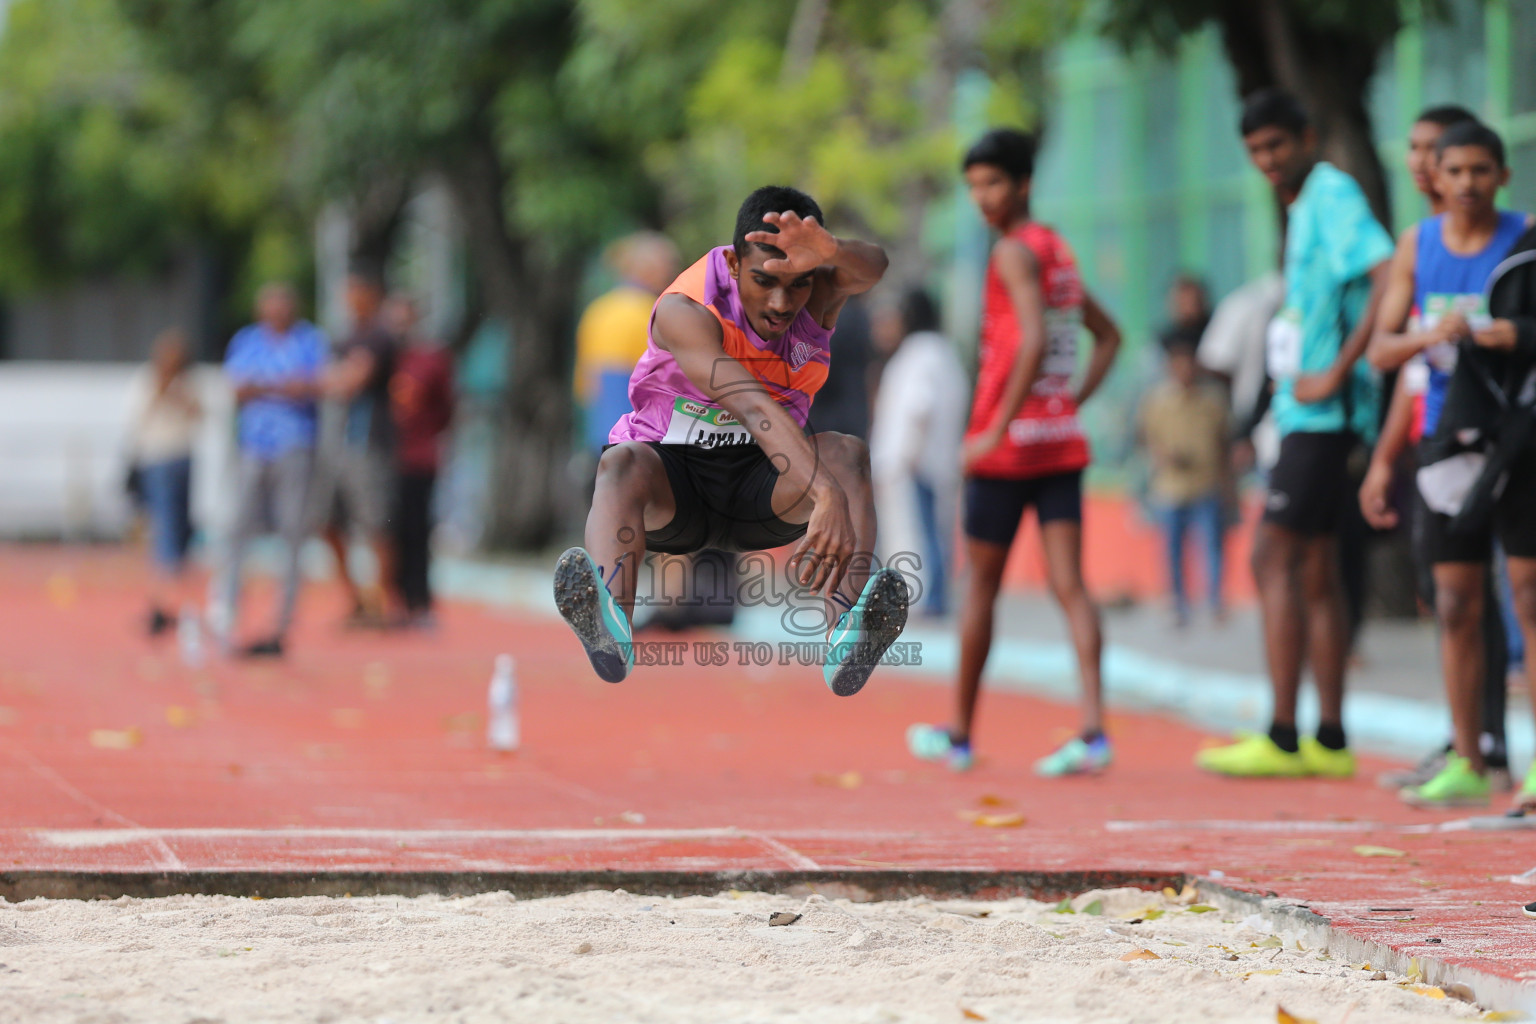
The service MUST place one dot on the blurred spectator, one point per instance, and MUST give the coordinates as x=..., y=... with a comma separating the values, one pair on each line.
x=421, y=396
x=1189, y=312
x=1184, y=426
x=357, y=451
x=612, y=333
x=1232, y=349
x=842, y=404
x=914, y=444
x=275, y=367
x=166, y=413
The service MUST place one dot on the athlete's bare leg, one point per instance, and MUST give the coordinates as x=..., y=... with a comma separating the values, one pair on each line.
x=1459, y=608
x=847, y=459
x=986, y=562
x=1062, y=540
x=632, y=495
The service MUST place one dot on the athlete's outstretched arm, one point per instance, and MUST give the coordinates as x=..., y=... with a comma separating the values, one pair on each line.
x=1319, y=387
x=1020, y=273
x=1106, y=344
x=692, y=335
x=844, y=267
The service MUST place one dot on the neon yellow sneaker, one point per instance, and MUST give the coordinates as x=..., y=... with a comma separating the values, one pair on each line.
x=1457, y=785
x=1254, y=755
x=1525, y=800
x=1330, y=764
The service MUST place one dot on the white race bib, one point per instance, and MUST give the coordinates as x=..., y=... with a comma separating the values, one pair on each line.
x=1283, y=345
x=704, y=425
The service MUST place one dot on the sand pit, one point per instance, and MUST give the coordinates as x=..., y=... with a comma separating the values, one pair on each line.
x=613, y=956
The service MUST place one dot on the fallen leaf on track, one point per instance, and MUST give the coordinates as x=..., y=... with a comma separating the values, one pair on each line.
x=992, y=800
x=1432, y=991
x=1201, y=908
x=178, y=717
x=847, y=780
x=116, y=739
x=1378, y=851
x=970, y=1014
x=1011, y=820
x=1140, y=954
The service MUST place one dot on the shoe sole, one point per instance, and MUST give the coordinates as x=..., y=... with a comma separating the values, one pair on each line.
x=884, y=617
x=1414, y=800
x=577, y=599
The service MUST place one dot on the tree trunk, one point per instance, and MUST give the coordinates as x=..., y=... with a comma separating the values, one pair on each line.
x=1269, y=45
x=534, y=302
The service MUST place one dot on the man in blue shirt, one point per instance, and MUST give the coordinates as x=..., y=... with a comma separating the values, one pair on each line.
x=1325, y=404
x=275, y=368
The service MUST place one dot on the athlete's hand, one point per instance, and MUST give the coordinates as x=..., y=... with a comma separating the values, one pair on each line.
x=805, y=243
x=1316, y=387
x=977, y=448
x=820, y=560
x=1375, y=505
x=1449, y=329
x=1499, y=335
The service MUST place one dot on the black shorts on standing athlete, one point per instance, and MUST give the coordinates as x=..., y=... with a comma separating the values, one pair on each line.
x=1309, y=485
x=995, y=507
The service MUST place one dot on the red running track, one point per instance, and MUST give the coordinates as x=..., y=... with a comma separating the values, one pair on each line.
x=366, y=752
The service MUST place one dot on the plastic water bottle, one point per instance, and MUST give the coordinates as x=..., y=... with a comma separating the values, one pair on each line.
x=189, y=637
x=503, y=733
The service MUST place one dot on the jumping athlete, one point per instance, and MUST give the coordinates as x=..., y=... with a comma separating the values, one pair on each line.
x=1025, y=446
x=716, y=452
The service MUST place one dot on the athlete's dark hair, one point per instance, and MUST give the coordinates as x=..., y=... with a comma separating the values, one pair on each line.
x=1007, y=148
x=1445, y=115
x=1272, y=108
x=766, y=200
x=1471, y=133
x=918, y=311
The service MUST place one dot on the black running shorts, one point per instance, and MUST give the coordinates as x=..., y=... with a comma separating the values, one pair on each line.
x=995, y=507
x=1309, y=484
x=724, y=499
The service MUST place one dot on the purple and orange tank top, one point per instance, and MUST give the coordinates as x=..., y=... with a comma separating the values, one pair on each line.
x=669, y=409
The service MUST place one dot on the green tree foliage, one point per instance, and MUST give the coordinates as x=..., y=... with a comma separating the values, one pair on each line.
x=109, y=163
x=130, y=126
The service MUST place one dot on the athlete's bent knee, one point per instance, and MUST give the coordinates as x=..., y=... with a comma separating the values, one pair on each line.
x=622, y=465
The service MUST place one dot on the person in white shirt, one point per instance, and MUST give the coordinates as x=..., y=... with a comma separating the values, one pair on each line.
x=914, y=449
x=163, y=428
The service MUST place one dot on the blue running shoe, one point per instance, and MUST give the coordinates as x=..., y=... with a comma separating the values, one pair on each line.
x=586, y=604
x=1077, y=756
x=864, y=632
x=933, y=743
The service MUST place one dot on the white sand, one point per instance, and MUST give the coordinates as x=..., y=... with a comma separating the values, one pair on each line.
x=613, y=957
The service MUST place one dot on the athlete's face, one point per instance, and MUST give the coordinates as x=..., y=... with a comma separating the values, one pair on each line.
x=997, y=196
x=1421, y=156
x=1468, y=178
x=771, y=301
x=1281, y=155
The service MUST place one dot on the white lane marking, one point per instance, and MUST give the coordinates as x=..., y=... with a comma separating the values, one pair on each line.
x=88, y=837
x=793, y=857
x=163, y=856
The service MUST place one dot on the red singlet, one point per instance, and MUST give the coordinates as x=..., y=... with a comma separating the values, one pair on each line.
x=1045, y=437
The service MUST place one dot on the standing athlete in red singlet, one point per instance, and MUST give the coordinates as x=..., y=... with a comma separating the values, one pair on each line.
x=1025, y=445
